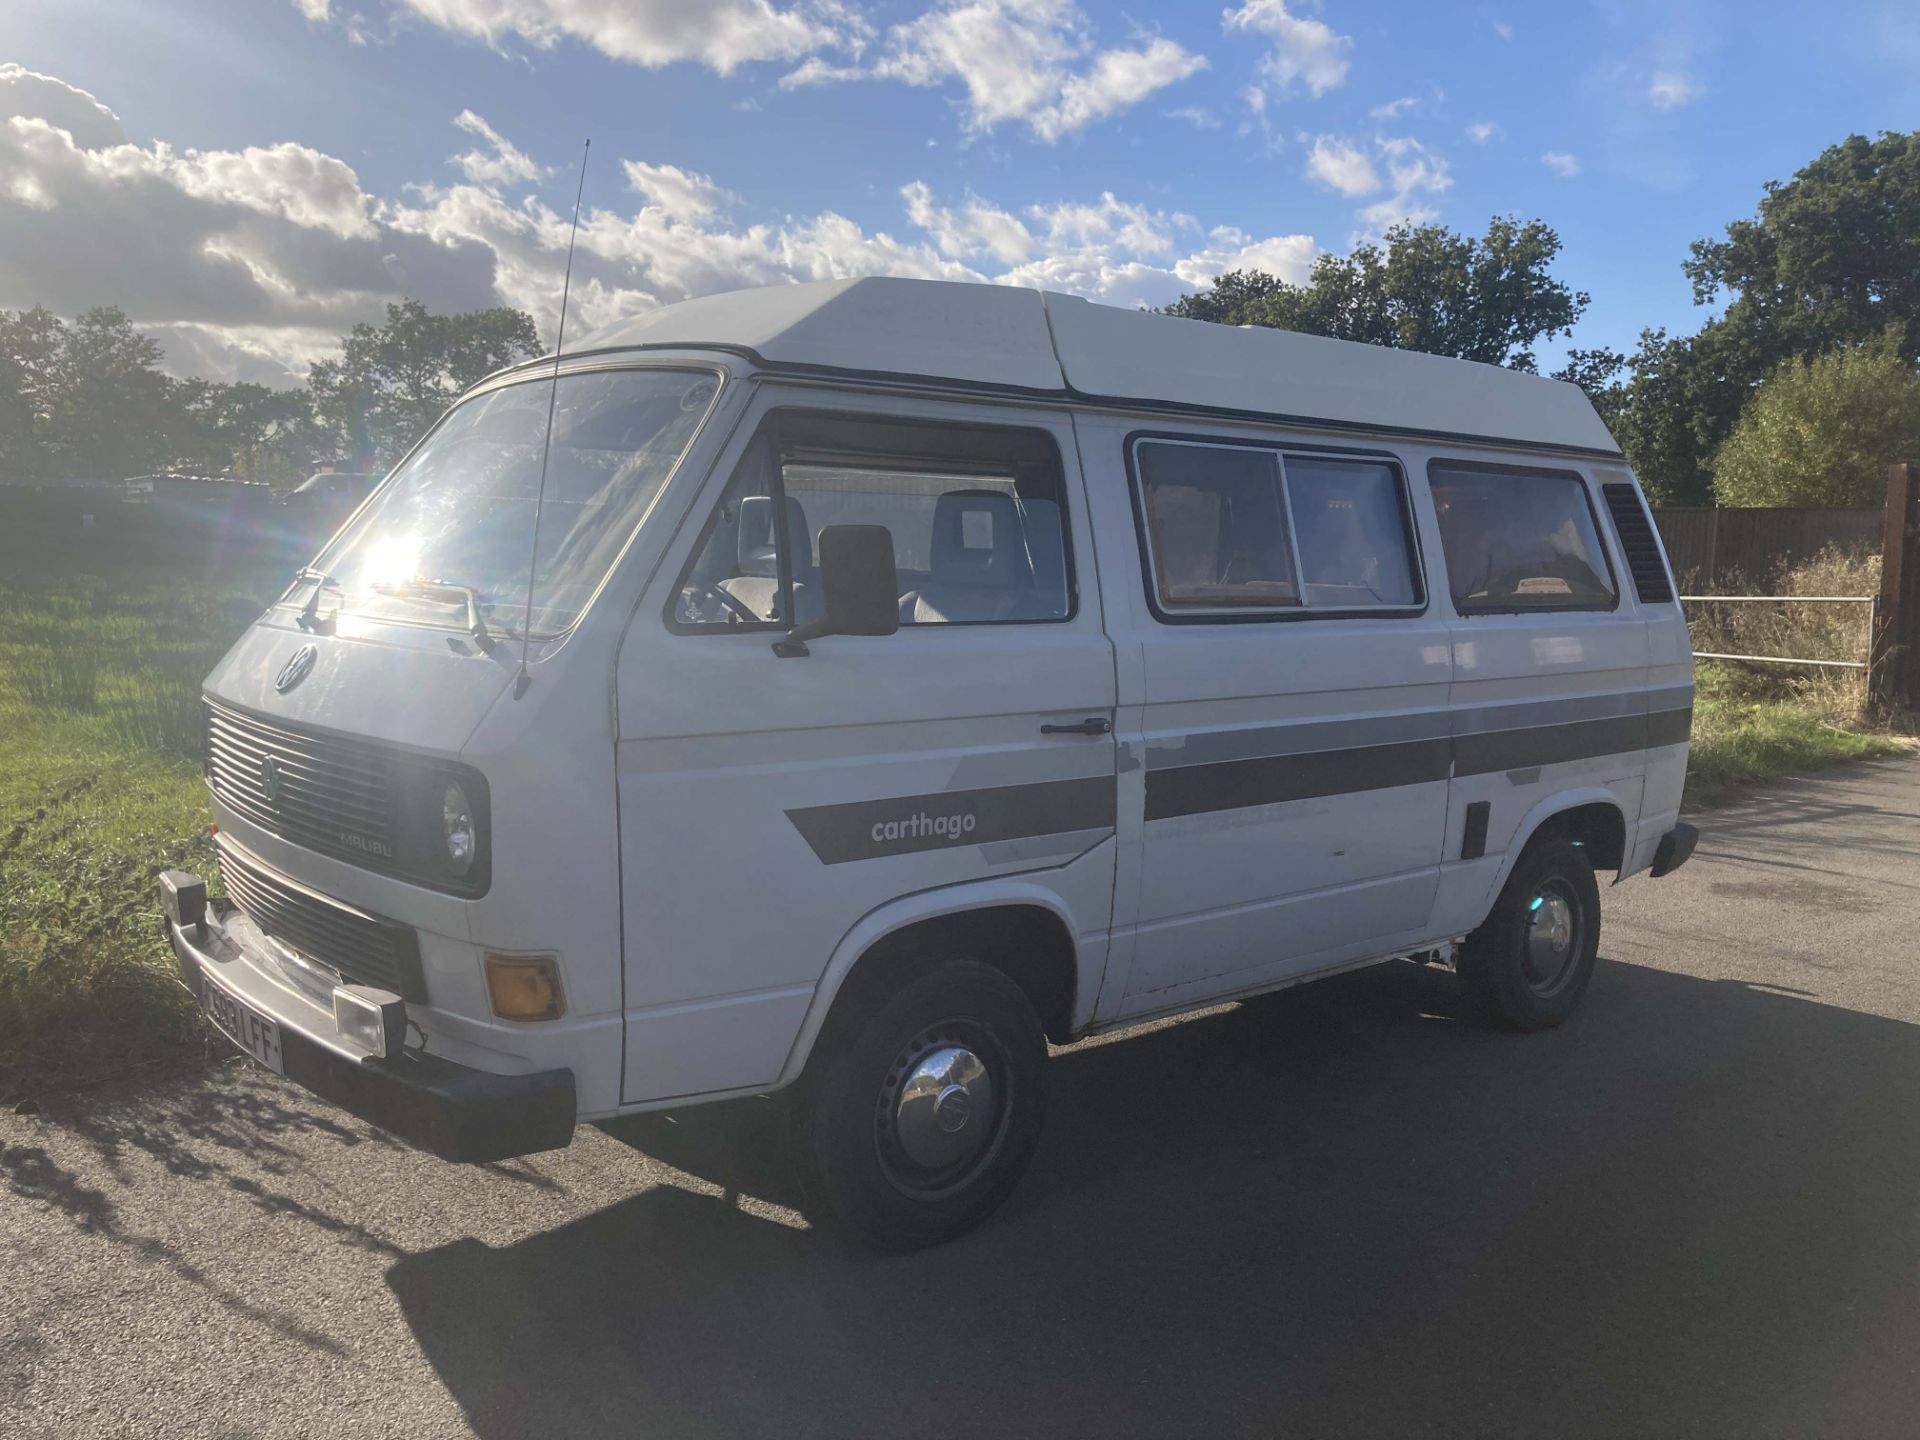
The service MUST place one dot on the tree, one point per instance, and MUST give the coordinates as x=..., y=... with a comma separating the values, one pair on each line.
x=108, y=400
x=31, y=350
x=250, y=430
x=1831, y=258
x=391, y=382
x=1431, y=289
x=1822, y=431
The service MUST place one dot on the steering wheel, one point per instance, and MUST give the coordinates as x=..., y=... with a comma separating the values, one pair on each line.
x=737, y=608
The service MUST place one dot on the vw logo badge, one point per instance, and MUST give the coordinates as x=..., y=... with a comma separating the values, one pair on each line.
x=296, y=668
x=270, y=779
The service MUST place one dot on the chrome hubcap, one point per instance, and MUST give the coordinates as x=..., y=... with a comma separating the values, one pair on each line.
x=944, y=1111
x=1553, y=938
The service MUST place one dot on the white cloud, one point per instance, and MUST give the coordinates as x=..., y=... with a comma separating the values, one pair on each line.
x=66, y=107
x=1481, y=131
x=816, y=71
x=1304, y=50
x=501, y=163
x=1670, y=89
x=1027, y=60
x=251, y=263
x=1118, y=278
x=318, y=11
x=975, y=229
x=683, y=194
x=1343, y=166
x=1198, y=116
x=1501, y=28
x=1108, y=223
x=1561, y=163
x=1412, y=171
x=1393, y=109
x=720, y=34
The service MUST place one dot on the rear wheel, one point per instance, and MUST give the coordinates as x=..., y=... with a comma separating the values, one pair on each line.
x=1529, y=964
x=921, y=1109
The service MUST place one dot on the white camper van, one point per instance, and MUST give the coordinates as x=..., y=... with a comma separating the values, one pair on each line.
x=917, y=673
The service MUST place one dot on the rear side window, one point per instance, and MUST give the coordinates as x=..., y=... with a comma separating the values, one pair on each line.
x=976, y=515
x=1519, y=539
x=1233, y=528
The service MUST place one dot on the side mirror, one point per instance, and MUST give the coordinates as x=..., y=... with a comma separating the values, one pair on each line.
x=859, y=587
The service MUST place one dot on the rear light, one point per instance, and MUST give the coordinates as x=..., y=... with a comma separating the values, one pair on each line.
x=525, y=987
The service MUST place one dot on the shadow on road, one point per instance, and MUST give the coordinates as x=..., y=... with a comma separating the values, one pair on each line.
x=1344, y=1212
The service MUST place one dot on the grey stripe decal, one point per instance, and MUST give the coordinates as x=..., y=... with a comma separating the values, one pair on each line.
x=1215, y=772
x=1179, y=790
x=1474, y=720
x=1239, y=784
x=906, y=824
x=1298, y=738
x=1547, y=744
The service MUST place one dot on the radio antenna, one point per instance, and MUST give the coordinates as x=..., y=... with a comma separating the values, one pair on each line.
x=524, y=679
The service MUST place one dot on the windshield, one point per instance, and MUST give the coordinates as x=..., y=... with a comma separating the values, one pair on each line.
x=460, y=509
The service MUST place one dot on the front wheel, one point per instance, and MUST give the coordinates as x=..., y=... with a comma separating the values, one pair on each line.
x=920, y=1118
x=1529, y=963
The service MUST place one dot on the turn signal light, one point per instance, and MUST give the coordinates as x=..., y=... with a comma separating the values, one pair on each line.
x=525, y=987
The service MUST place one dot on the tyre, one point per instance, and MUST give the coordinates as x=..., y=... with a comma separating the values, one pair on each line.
x=1529, y=963
x=921, y=1108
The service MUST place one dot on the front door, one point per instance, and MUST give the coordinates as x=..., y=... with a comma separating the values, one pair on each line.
x=1283, y=687
x=769, y=804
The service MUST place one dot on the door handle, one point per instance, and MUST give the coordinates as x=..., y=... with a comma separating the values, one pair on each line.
x=1096, y=726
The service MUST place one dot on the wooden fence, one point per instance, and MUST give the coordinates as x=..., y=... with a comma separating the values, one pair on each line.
x=1711, y=547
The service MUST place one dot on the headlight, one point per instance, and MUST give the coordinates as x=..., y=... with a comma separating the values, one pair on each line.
x=456, y=829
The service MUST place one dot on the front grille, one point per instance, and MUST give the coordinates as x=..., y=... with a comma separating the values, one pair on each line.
x=323, y=792
x=364, y=949
x=371, y=805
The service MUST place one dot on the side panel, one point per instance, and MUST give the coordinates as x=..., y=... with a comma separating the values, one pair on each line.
x=1284, y=781
x=768, y=804
x=1550, y=710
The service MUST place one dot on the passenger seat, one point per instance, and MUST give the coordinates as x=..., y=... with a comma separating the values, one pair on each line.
x=979, y=565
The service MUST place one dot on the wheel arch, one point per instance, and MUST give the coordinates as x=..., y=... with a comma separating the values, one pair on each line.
x=1024, y=920
x=1593, y=816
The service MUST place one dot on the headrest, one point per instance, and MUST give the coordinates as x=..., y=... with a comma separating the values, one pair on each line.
x=978, y=540
x=758, y=545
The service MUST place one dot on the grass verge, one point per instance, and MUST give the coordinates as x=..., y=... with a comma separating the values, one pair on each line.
x=86, y=981
x=105, y=637
x=1750, y=728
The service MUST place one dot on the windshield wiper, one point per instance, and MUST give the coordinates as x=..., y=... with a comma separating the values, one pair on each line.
x=443, y=590
x=309, y=617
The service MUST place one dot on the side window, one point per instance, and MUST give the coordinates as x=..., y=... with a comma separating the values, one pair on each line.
x=976, y=515
x=1240, y=528
x=1519, y=540
x=1351, y=519
x=1217, y=523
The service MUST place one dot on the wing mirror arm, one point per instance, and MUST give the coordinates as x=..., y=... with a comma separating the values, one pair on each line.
x=859, y=588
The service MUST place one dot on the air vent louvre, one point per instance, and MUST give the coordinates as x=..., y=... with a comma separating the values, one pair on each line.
x=1635, y=528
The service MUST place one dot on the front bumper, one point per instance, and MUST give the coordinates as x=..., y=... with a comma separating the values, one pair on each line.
x=453, y=1111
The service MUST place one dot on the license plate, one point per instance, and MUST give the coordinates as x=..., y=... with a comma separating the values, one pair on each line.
x=257, y=1034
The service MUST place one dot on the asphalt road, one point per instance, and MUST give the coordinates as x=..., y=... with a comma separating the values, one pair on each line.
x=1695, y=1210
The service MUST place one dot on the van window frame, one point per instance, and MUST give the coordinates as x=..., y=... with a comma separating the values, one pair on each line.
x=1553, y=472
x=1273, y=614
x=767, y=435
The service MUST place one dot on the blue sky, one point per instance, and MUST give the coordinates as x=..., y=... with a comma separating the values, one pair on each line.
x=247, y=177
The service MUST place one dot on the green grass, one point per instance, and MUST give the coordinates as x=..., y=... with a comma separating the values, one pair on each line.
x=104, y=640
x=1748, y=729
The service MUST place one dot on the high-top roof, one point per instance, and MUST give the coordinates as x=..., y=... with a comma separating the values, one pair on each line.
x=1000, y=337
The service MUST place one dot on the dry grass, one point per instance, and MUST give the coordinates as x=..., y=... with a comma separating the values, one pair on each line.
x=1809, y=632
x=1753, y=723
